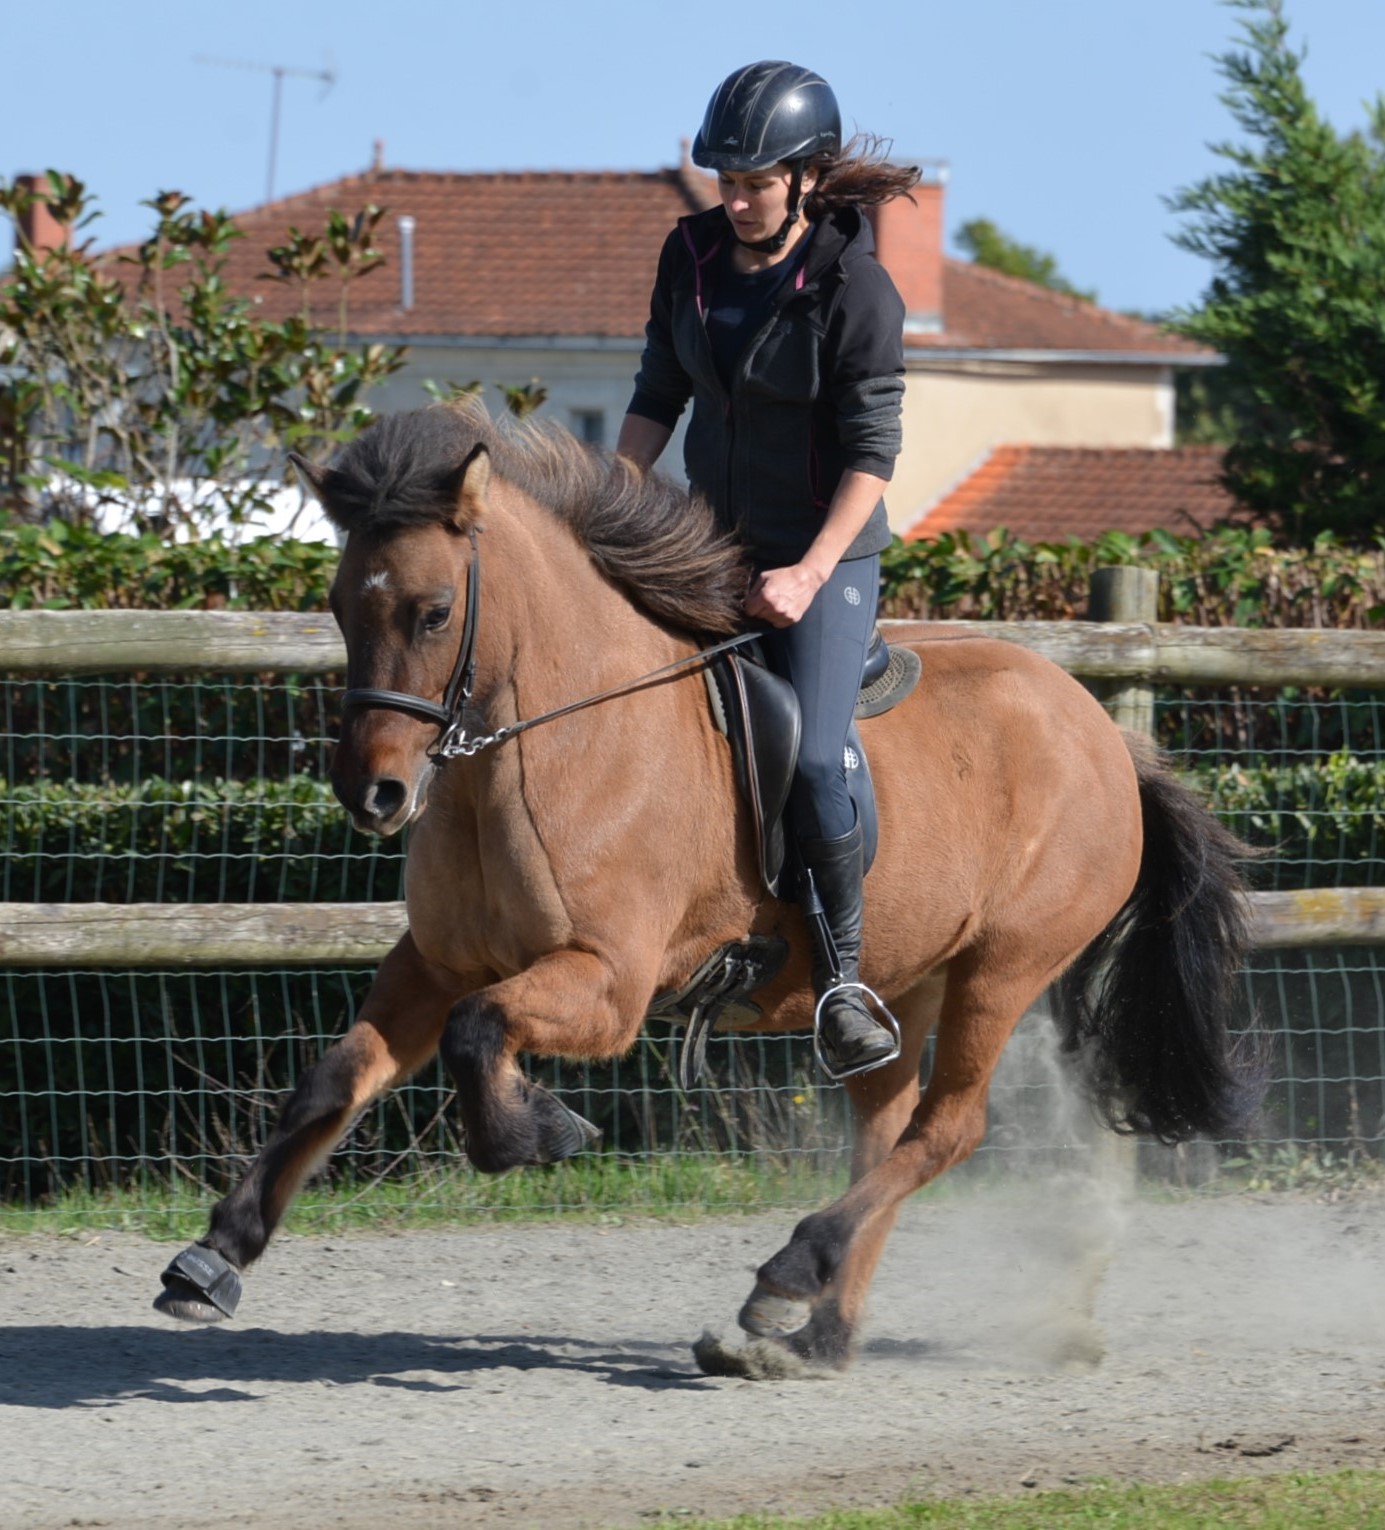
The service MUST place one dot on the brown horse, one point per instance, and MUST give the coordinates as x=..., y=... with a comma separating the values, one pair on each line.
x=560, y=876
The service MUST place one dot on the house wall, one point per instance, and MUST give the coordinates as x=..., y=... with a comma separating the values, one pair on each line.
x=597, y=379
x=955, y=412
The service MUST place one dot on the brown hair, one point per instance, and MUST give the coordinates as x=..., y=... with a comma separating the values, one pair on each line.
x=859, y=174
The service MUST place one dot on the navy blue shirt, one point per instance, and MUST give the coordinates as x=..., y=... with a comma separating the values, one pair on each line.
x=739, y=302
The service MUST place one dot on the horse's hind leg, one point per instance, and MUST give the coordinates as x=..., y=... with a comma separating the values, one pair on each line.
x=828, y=1262
x=882, y=1105
x=396, y=1032
x=569, y=1004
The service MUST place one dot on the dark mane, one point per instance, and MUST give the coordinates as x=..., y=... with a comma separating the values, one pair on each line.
x=663, y=547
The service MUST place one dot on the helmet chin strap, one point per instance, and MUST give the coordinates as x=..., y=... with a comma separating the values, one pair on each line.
x=776, y=242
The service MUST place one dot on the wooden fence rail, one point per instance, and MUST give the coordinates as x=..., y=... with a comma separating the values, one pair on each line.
x=209, y=935
x=210, y=642
x=61, y=643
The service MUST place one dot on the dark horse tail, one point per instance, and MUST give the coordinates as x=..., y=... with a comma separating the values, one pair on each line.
x=1150, y=1007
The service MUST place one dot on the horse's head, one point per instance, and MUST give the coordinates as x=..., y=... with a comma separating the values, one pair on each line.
x=400, y=598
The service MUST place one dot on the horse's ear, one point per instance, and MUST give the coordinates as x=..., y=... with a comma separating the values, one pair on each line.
x=467, y=485
x=317, y=480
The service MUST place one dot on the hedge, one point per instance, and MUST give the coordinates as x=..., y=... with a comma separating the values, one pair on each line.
x=1226, y=577
x=283, y=841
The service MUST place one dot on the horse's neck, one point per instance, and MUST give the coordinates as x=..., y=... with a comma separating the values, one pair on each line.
x=563, y=631
x=632, y=782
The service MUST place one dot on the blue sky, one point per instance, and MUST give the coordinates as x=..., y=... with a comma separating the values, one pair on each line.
x=1064, y=121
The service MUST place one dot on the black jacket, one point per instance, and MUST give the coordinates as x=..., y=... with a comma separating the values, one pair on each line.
x=817, y=390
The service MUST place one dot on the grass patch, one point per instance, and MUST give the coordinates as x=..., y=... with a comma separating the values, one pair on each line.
x=1347, y=1500
x=601, y=1188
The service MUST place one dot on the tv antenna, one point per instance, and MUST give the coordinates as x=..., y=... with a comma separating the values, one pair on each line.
x=328, y=77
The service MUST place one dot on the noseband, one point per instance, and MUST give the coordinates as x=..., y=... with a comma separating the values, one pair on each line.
x=449, y=713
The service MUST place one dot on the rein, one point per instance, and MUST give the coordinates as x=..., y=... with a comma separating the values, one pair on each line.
x=453, y=742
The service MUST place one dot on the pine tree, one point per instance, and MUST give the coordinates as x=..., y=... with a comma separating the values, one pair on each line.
x=1295, y=229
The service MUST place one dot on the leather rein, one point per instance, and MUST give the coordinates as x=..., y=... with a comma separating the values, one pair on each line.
x=449, y=714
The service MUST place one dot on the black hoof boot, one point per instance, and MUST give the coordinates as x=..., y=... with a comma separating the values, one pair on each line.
x=199, y=1287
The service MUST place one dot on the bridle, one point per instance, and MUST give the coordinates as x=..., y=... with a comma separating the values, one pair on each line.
x=452, y=742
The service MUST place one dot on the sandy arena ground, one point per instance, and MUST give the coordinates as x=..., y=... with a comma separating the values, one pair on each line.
x=541, y=1375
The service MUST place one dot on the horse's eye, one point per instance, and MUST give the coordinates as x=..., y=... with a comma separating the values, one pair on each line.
x=436, y=619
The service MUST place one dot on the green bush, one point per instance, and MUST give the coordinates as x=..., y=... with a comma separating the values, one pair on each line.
x=61, y=566
x=1227, y=577
x=1311, y=815
x=212, y=841
x=285, y=841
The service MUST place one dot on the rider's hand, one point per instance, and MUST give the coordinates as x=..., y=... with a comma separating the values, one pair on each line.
x=780, y=596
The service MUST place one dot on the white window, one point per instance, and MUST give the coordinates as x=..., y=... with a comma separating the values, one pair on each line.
x=589, y=425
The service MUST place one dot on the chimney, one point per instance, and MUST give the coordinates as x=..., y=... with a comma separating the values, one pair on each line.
x=406, y=262
x=909, y=244
x=37, y=229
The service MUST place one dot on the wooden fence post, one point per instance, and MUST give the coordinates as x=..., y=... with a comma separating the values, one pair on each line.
x=1129, y=596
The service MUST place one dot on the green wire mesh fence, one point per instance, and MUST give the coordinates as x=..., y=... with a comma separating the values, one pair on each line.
x=214, y=790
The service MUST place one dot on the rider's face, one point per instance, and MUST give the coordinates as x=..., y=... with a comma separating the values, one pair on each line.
x=757, y=201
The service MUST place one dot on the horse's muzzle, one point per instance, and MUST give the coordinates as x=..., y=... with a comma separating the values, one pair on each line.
x=381, y=805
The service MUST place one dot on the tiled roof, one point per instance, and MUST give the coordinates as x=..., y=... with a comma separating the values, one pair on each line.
x=529, y=253
x=572, y=253
x=1048, y=493
x=984, y=309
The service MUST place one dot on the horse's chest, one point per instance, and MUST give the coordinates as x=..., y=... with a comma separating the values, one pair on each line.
x=483, y=893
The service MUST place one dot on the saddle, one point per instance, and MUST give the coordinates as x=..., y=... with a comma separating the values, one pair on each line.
x=758, y=713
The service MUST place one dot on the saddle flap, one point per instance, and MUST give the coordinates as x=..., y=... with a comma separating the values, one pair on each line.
x=759, y=714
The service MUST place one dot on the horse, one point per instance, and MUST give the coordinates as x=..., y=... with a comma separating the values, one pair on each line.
x=578, y=847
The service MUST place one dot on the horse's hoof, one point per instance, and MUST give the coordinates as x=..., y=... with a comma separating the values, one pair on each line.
x=182, y=1300
x=563, y=1132
x=760, y=1360
x=771, y=1316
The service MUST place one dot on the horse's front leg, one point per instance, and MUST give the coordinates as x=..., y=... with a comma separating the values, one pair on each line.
x=396, y=1032
x=568, y=1004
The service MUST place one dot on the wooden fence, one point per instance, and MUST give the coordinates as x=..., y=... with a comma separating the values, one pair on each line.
x=1124, y=659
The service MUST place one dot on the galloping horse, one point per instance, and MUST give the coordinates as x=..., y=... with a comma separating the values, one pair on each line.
x=560, y=876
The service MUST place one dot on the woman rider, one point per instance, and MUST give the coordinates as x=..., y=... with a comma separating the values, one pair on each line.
x=772, y=314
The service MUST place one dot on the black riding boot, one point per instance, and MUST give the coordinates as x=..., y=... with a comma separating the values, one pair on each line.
x=850, y=1038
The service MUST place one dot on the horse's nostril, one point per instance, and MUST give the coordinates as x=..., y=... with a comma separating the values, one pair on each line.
x=384, y=798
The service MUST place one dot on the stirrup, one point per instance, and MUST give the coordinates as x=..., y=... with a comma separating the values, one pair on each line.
x=879, y=1011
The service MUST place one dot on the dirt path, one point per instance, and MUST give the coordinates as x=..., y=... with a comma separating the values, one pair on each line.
x=541, y=1375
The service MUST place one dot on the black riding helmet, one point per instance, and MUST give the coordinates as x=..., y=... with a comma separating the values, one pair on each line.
x=766, y=113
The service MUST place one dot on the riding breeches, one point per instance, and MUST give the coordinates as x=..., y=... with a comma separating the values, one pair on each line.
x=822, y=656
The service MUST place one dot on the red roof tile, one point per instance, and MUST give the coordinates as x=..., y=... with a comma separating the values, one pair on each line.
x=572, y=253
x=987, y=310
x=550, y=253
x=1048, y=493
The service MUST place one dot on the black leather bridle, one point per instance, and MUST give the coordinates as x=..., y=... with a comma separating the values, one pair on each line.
x=449, y=714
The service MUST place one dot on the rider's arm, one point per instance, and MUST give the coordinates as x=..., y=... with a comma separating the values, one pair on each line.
x=662, y=387
x=642, y=439
x=780, y=596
